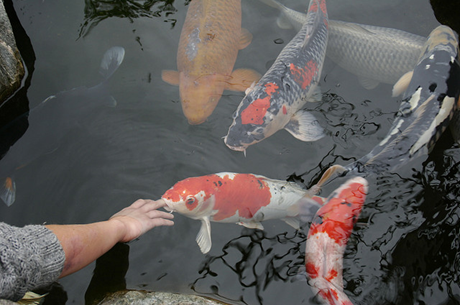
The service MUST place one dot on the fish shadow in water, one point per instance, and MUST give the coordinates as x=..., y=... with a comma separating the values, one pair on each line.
x=52, y=120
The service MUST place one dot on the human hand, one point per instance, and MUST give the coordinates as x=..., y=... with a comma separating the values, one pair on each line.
x=141, y=216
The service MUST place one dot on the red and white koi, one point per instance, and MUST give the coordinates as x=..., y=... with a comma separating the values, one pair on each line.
x=245, y=199
x=328, y=237
x=276, y=101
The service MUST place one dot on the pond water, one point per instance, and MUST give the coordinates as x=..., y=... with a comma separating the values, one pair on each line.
x=405, y=249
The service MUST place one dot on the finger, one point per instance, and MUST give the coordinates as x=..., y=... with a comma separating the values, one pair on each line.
x=138, y=203
x=152, y=204
x=161, y=222
x=159, y=214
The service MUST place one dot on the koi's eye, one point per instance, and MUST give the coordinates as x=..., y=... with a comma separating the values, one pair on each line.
x=190, y=200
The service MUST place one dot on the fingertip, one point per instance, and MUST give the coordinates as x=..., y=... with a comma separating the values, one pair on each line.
x=161, y=203
x=169, y=222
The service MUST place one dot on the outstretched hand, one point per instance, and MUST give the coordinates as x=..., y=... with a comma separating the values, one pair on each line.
x=141, y=216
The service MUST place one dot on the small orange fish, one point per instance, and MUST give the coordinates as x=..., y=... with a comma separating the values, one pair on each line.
x=209, y=43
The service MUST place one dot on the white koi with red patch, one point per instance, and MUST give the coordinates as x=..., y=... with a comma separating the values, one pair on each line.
x=328, y=237
x=276, y=101
x=245, y=199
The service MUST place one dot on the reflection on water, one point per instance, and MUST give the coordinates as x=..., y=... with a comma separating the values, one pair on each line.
x=254, y=261
x=97, y=11
x=405, y=248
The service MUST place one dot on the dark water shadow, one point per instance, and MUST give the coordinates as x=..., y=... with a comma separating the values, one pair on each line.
x=97, y=11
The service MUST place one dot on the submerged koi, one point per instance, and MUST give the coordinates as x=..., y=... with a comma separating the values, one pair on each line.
x=328, y=237
x=52, y=119
x=275, y=102
x=429, y=102
x=244, y=199
x=208, y=47
x=374, y=54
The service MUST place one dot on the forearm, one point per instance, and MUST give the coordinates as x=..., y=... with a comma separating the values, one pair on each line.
x=83, y=244
x=30, y=257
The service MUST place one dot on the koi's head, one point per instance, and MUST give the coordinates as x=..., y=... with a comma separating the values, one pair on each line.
x=345, y=203
x=254, y=120
x=191, y=197
x=200, y=95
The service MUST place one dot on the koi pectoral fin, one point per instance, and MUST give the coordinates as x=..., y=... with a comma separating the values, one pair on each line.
x=368, y=83
x=402, y=84
x=293, y=222
x=245, y=39
x=335, y=169
x=170, y=77
x=204, y=236
x=304, y=126
x=251, y=224
x=111, y=60
x=242, y=79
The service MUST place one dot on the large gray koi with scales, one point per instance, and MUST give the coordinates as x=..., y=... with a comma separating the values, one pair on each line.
x=275, y=102
x=374, y=54
x=429, y=102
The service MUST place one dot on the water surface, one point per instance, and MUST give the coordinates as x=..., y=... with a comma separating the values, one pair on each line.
x=405, y=248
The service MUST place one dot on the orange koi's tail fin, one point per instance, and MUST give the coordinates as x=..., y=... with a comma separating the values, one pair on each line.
x=8, y=191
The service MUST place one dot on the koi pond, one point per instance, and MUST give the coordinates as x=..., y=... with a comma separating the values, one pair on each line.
x=403, y=250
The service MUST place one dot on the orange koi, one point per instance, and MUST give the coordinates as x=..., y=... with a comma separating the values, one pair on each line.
x=209, y=43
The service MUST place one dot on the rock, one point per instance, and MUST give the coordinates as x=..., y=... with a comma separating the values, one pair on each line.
x=11, y=67
x=136, y=297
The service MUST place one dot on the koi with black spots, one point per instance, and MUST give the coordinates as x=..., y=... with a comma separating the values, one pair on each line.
x=276, y=101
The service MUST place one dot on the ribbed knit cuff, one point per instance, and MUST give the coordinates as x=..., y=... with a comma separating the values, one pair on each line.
x=30, y=257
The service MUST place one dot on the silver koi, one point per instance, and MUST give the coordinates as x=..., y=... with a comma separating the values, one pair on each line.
x=374, y=54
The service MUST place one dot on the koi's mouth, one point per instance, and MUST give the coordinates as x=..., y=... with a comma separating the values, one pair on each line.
x=168, y=207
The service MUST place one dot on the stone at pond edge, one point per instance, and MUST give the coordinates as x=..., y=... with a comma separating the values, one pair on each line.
x=11, y=67
x=135, y=297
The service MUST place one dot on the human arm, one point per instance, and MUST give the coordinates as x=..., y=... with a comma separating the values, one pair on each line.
x=82, y=244
x=37, y=255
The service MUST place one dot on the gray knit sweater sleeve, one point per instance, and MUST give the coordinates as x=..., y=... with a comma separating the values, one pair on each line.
x=30, y=257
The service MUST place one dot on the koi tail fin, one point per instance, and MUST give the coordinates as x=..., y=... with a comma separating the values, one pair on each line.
x=329, y=293
x=8, y=191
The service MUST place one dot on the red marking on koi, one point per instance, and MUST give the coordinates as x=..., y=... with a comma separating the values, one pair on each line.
x=320, y=200
x=330, y=295
x=348, y=202
x=246, y=196
x=284, y=109
x=313, y=7
x=303, y=76
x=312, y=270
x=255, y=112
x=270, y=88
x=9, y=183
x=332, y=275
x=322, y=6
x=334, y=223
